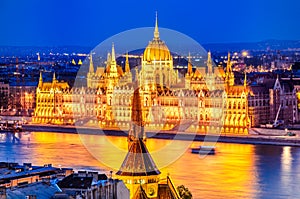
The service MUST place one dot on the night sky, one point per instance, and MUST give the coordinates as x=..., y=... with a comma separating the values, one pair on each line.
x=89, y=22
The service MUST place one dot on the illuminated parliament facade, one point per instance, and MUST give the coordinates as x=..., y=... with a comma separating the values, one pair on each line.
x=205, y=100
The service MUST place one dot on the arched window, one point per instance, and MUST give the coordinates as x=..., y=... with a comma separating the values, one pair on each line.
x=109, y=101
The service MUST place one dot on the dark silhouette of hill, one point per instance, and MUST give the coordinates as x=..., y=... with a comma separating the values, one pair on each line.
x=255, y=46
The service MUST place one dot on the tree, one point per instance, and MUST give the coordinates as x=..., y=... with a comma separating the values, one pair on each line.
x=184, y=192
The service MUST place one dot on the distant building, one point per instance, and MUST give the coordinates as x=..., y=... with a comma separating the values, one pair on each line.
x=4, y=96
x=273, y=97
x=207, y=99
x=22, y=99
x=57, y=103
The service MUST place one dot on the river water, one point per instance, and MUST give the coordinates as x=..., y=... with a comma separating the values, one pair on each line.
x=236, y=171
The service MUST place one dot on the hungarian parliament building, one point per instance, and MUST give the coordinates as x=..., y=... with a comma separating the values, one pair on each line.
x=206, y=99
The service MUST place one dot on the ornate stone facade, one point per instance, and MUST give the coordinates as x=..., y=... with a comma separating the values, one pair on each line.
x=208, y=101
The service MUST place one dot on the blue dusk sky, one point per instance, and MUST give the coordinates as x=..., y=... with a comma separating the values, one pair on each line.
x=89, y=22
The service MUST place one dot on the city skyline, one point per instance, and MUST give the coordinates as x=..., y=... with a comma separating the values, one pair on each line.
x=55, y=23
x=149, y=99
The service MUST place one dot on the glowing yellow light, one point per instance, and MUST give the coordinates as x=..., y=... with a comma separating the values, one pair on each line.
x=244, y=53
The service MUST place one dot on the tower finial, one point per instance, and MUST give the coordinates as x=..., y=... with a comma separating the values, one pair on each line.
x=190, y=67
x=127, y=67
x=156, y=32
x=209, y=63
x=113, y=54
x=91, y=70
x=113, y=63
x=41, y=79
x=245, y=80
x=228, y=67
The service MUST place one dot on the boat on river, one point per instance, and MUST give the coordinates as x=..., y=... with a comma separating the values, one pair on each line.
x=204, y=150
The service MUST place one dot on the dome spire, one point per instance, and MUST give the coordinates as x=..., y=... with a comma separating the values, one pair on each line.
x=156, y=32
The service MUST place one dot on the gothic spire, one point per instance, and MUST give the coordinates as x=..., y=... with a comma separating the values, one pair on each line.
x=190, y=67
x=113, y=54
x=127, y=66
x=209, y=63
x=113, y=64
x=245, y=79
x=91, y=70
x=41, y=79
x=228, y=67
x=156, y=32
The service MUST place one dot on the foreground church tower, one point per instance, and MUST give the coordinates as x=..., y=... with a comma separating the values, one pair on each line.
x=138, y=169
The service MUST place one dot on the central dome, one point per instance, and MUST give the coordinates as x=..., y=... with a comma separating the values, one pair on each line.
x=157, y=50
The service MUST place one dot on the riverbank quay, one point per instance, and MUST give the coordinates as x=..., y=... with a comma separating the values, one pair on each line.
x=257, y=136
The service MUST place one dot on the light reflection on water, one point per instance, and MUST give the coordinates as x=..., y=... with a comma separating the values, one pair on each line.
x=236, y=171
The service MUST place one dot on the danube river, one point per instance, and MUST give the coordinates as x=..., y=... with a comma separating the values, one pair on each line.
x=236, y=171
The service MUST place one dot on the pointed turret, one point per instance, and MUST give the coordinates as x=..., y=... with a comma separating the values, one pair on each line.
x=113, y=63
x=229, y=76
x=245, y=79
x=113, y=54
x=138, y=161
x=127, y=66
x=54, y=80
x=137, y=116
x=209, y=63
x=190, y=67
x=156, y=32
x=228, y=67
x=91, y=70
x=108, y=61
x=40, y=79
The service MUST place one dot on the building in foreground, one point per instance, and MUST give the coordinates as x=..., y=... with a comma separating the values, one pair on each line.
x=28, y=181
x=44, y=182
x=90, y=185
x=138, y=170
x=14, y=175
